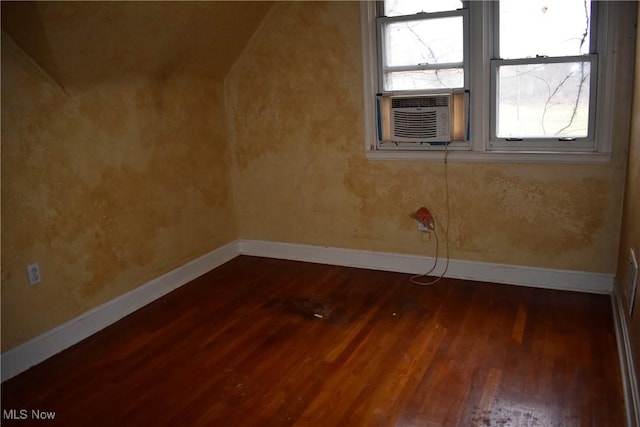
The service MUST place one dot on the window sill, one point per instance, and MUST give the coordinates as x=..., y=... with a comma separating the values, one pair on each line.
x=492, y=156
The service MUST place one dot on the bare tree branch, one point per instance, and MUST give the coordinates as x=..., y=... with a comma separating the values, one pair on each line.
x=574, y=112
x=587, y=22
x=431, y=53
x=555, y=91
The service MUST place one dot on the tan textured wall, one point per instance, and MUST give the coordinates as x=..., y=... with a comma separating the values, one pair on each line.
x=81, y=43
x=118, y=180
x=630, y=235
x=295, y=111
x=106, y=187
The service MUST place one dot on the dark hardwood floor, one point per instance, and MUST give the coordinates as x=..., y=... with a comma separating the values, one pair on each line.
x=264, y=342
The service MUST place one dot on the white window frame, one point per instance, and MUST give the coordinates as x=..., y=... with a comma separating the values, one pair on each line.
x=482, y=147
x=382, y=21
x=585, y=144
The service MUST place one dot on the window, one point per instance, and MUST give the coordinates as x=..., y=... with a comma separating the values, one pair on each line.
x=509, y=80
x=422, y=50
x=423, y=74
x=544, y=86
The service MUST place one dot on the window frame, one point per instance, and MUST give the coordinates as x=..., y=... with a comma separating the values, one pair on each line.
x=382, y=21
x=481, y=146
x=584, y=144
x=541, y=143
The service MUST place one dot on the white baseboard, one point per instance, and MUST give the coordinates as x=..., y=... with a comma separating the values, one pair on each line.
x=627, y=367
x=43, y=346
x=55, y=340
x=568, y=280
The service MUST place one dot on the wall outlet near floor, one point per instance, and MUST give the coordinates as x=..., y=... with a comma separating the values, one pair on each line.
x=423, y=228
x=33, y=271
x=631, y=281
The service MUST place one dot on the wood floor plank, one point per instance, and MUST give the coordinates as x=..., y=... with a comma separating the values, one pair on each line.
x=265, y=342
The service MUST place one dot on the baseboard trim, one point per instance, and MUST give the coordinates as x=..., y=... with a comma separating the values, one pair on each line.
x=628, y=370
x=43, y=346
x=40, y=348
x=567, y=280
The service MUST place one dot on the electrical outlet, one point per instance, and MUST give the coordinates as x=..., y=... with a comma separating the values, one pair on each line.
x=631, y=280
x=33, y=271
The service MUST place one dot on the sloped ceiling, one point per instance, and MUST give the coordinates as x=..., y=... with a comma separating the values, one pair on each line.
x=81, y=43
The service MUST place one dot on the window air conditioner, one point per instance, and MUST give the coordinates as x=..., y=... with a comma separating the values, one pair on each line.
x=412, y=121
x=420, y=119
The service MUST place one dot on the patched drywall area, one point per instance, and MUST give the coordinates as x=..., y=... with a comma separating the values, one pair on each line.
x=630, y=232
x=294, y=102
x=106, y=187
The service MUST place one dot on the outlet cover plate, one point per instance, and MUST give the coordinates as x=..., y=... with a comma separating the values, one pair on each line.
x=33, y=271
x=423, y=228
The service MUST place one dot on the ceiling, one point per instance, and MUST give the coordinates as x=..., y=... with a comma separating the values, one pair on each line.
x=82, y=43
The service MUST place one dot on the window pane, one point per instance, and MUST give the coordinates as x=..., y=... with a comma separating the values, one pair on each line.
x=424, y=79
x=430, y=41
x=543, y=100
x=411, y=7
x=544, y=27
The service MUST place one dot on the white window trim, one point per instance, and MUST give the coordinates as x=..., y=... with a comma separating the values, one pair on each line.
x=578, y=144
x=481, y=32
x=464, y=65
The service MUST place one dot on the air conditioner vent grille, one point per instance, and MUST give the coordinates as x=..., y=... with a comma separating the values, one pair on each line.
x=415, y=125
x=431, y=101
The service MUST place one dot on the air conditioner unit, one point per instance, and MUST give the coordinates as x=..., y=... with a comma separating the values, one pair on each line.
x=419, y=122
x=421, y=119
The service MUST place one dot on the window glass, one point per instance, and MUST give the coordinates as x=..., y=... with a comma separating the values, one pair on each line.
x=543, y=100
x=424, y=79
x=411, y=7
x=432, y=41
x=544, y=28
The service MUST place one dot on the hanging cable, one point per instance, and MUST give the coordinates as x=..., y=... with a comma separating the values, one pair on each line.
x=416, y=279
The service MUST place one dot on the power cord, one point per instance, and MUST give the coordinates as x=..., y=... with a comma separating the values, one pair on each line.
x=415, y=279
